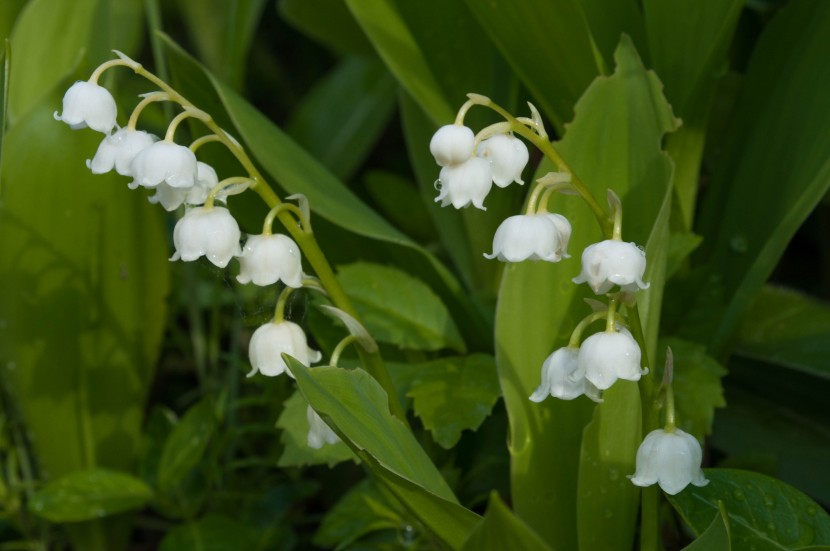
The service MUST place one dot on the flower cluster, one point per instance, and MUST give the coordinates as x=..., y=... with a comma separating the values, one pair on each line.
x=178, y=178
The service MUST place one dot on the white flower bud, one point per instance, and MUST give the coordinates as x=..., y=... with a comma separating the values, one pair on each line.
x=509, y=156
x=319, y=433
x=452, y=144
x=670, y=459
x=610, y=263
x=118, y=151
x=87, y=104
x=210, y=232
x=560, y=380
x=468, y=182
x=605, y=357
x=531, y=237
x=166, y=162
x=271, y=340
x=267, y=259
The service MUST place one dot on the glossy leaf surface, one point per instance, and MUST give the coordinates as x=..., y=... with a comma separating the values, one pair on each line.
x=297, y=453
x=501, y=529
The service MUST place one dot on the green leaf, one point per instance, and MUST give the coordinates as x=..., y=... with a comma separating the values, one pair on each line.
x=788, y=328
x=338, y=29
x=454, y=394
x=186, y=445
x=342, y=117
x=626, y=117
x=764, y=513
x=779, y=137
x=366, y=508
x=398, y=199
x=9, y=11
x=697, y=385
x=5, y=58
x=399, y=309
x=681, y=245
x=294, y=424
x=500, y=529
x=210, y=533
x=716, y=537
x=356, y=407
x=89, y=495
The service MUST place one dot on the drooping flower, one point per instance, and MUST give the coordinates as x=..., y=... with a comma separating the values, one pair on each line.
x=671, y=459
x=508, y=155
x=271, y=340
x=531, y=237
x=172, y=198
x=605, y=357
x=87, y=104
x=118, y=151
x=610, y=263
x=452, y=145
x=210, y=232
x=166, y=162
x=267, y=259
x=319, y=433
x=558, y=378
x=465, y=183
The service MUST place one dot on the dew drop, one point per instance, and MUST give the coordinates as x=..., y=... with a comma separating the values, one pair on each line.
x=613, y=474
x=739, y=495
x=811, y=511
x=608, y=513
x=407, y=535
x=738, y=244
x=769, y=501
x=11, y=366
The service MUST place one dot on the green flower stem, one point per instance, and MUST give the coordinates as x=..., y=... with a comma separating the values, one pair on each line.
x=279, y=309
x=549, y=151
x=372, y=361
x=148, y=99
x=199, y=142
x=670, y=424
x=267, y=225
x=341, y=346
x=576, y=336
x=224, y=184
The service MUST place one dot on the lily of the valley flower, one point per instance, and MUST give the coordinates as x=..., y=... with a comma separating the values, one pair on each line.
x=172, y=198
x=87, y=104
x=539, y=236
x=466, y=183
x=270, y=341
x=267, y=259
x=558, y=379
x=671, y=459
x=319, y=433
x=508, y=156
x=605, y=357
x=118, y=151
x=452, y=145
x=210, y=232
x=165, y=162
x=610, y=263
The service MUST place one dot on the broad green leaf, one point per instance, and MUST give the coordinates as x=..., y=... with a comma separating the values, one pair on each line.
x=88, y=495
x=186, y=445
x=394, y=42
x=366, y=508
x=697, y=385
x=9, y=10
x=779, y=137
x=454, y=394
x=222, y=32
x=398, y=309
x=355, y=406
x=500, y=529
x=688, y=44
x=764, y=513
x=5, y=58
x=398, y=199
x=210, y=533
x=625, y=117
x=681, y=245
x=341, y=119
x=297, y=453
x=337, y=29
x=716, y=537
x=787, y=328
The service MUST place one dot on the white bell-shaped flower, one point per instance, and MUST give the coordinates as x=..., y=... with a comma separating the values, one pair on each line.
x=563, y=226
x=87, y=104
x=118, y=151
x=267, y=259
x=172, y=198
x=558, y=379
x=610, y=263
x=530, y=237
x=452, y=144
x=468, y=182
x=509, y=156
x=319, y=433
x=671, y=459
x=605, y=357
x=166, y=162
x=210, y=232
x=270, y=341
